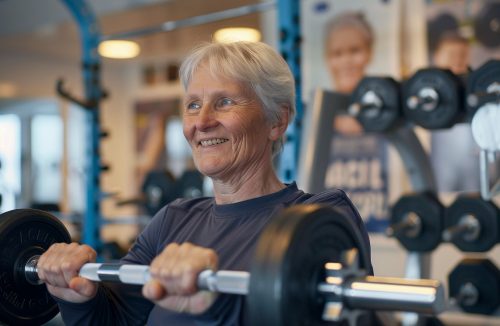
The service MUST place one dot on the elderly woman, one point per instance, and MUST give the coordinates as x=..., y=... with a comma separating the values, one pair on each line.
x=239, y=100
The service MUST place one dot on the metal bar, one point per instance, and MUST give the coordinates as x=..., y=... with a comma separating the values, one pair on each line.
x=194, y=21
x=365, y=292
x=387, y=293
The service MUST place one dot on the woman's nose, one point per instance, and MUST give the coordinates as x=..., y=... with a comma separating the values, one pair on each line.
x=206, y=119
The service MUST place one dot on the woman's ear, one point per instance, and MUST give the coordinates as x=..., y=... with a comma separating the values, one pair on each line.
x=278, y=128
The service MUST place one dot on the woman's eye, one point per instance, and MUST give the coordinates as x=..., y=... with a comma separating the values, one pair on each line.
x=225, y=101
x=193, y=106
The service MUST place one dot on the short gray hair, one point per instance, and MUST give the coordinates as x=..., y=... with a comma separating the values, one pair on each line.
x=255, y=64
x=354, y=19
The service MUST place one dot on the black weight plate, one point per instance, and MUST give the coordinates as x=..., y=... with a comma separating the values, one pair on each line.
x=485, y=277
x=430, y=210
x=23, y=234
x=159, y=189
x=487, y=25
x=450, y=90
x=487, y=215
x=389, y=116
x=289, y=264
x=479, y=80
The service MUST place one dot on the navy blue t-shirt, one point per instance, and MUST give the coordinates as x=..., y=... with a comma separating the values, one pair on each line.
x=232, y=230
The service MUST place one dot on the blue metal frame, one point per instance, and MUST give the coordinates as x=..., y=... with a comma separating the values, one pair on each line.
x=290, y=42
x=90, y=37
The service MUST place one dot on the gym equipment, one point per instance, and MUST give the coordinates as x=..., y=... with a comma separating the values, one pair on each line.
x=417, y=221
x=483, y=107
x=472, y=224
x=432, y=98
x=487, y=25
x=376, y=103
x=310, y=264
x=25, y=234
x=190, y=184
x=474, y=284
x=483, y=86
x=159, y=189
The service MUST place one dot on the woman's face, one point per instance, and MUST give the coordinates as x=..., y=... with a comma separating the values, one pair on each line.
x=347, y=55
x=225, y=125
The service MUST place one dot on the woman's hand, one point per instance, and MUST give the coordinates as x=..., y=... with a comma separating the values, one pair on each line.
x=174, y=275
x=59, y=266
x=347, y=125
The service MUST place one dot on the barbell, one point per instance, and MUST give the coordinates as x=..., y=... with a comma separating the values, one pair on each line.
x=310, y=266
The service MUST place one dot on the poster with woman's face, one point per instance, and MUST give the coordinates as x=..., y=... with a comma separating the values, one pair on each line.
x=345, y=40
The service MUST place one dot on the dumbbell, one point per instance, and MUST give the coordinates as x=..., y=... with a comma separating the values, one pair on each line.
x=432, y=98
x=483, y=86
x=472, y=224
x=190, y=184
x=376, y=103
x=159, y=189
x=310, y=265
x=487, y=25
x=417, y=221
x=474, y=285
x=483, y=105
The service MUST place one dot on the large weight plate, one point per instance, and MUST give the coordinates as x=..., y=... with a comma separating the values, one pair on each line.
x=289, y=264
x=389, y=115
x=487, y=215
x=450, y=90
x=430, y=211
x=478, y=82
x=23, y=234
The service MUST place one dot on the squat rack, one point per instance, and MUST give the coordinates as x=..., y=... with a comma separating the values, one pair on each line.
x=90, y=36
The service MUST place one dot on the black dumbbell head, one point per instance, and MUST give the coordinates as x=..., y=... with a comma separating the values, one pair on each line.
x=385, y=117
x=484, y=212
x=479, y=82
x=484, y=277
x=430, y=212
x=444, y=87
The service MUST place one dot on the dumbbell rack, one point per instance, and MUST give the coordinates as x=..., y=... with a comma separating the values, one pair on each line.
x=317, y=127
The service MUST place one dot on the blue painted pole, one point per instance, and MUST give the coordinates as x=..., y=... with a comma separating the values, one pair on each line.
x=90, y=37
x=289, y=44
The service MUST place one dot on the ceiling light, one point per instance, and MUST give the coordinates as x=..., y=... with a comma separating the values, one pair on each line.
x=118, y=49
x=234, y=34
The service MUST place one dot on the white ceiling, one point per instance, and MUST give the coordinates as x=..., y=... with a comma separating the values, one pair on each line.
x=45, y=27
